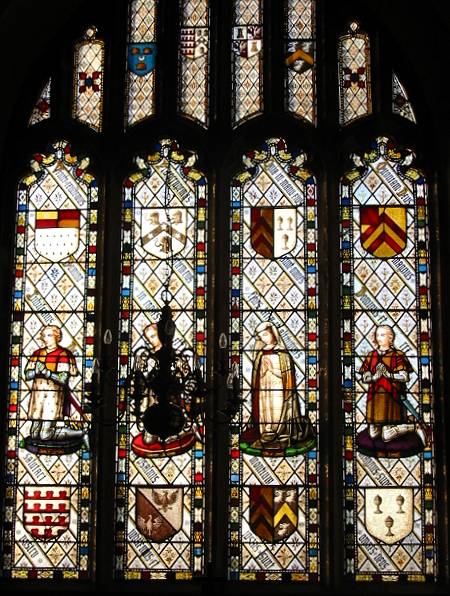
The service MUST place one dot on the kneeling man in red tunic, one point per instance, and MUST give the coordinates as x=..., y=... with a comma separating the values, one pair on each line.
x=386, y=369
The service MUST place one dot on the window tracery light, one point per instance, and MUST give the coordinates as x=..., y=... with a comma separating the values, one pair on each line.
x=355, y=87
x=194, y=60
x=88, y=76
x=142, y=51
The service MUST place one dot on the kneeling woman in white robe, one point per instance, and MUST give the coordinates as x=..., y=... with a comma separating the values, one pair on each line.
x=276, y=415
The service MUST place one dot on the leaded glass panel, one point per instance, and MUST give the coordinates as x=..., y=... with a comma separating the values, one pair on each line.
x=300, y=33
x=194, y=60
x=88, y=80
x=141, y=61
x=247, y=60
x=400, y=100
x=160, y=475
x=355, y=91
x=41, y=110
x=273, y=527
x=387, y=369
x=48, y=513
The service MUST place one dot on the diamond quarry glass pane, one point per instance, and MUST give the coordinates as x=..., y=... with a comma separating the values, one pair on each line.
x=48, y=491
x=141, y=61
x=355, y=91
x=389, y=469
x=247, y=56
x=300, y=42
x=160, y=438
x=273, y=506
x=400, y=101
x=194, y=60
x=41, y=110
x=88, y=80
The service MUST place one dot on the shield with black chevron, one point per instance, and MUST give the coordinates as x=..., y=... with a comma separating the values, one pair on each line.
x=273, y=512
x=383, y=230
x=273, y=231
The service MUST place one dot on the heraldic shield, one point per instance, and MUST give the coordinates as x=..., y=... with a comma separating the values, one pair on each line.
x=163, y=231
x=273, y=231
x=46, y=511
x=300, y=56
x=247, y=40
x=159, y=512
x=141, y=58
x=388, y=513
x=383, y=230
x=273, y=512
x=193, y=42
x=57, y=233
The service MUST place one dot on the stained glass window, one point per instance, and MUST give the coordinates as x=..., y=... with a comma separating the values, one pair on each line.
x=41, y=110
x=247, y=46
x=141, y=60
x=194, y=60
x=400, y=100
x=49, y=515
x=387, y=369
x=300, y=58
x=273, y=527
x=355, y=92
x=88, y=80
x=160, y=471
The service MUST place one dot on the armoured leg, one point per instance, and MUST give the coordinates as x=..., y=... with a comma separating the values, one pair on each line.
x=48, y=430
x=35, y=429
x=68, y=433
x=374, y=430
x=391, y=431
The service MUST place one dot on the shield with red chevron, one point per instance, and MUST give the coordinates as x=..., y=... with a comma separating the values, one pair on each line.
x=273, y=512
x=383, y=230
x=273, y=230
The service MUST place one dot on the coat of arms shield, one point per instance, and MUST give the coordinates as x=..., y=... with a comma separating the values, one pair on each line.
x=46, y=511
x=163, y=231
x=194, y=42
x=159, y=511
x=300, y=56
x=388, y=513
x=273, y=230
x=273, y=511
x=141, y=58
x=57, y=233
x=383, y=230
x=247, y=40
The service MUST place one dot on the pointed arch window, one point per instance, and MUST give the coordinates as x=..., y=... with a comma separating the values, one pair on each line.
x=49, y=498
x=213, y=414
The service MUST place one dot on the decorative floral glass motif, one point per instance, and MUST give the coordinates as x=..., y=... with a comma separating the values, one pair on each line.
x=48, y=513
x=41, y=110
x=141, y=61
x=160, y=463
x=247, y=56
x=355, y=90
x=194, y=60
x=88, y=80
x=400, y=101
x=387, y=369
x=273, y=528
x=301, y=58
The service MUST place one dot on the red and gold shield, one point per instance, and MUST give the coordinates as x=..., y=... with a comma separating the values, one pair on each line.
x=273, y=512
x=383, y=230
